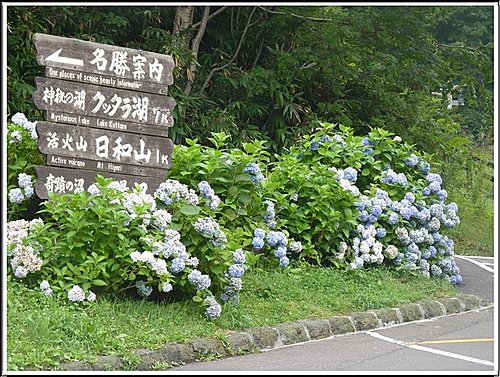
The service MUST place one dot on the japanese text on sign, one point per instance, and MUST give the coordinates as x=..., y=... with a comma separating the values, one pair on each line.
x=98, y=101
x=103, y=145
x=102, y=59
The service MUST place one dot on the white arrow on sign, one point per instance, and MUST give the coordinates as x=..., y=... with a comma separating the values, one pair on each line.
x=56, y=58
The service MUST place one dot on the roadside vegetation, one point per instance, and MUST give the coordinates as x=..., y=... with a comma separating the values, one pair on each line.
x=319, y=169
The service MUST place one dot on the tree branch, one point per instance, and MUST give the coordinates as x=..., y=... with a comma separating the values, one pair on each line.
x=477, y=49
x=218, y=11
x=263, y=38
x=216, y=69
x=316, y=19
x=194, y=50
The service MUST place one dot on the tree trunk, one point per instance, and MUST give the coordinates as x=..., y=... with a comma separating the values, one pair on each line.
x=182, y=22
x=191, y=71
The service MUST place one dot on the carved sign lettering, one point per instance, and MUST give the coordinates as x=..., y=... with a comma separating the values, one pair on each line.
x=104, y=145
x=73, y=181
x=135, y=68
x=91, y=100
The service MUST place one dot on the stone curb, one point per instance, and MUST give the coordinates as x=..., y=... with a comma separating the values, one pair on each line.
x=265, y=338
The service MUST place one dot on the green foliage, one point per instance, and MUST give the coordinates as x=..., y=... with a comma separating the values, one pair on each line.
x=113, y=240
x=313, y=207
x=22, y=157
x=281, y=70
x=223, y=168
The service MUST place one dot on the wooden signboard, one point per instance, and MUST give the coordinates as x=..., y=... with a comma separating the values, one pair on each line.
x=107, y=113
x=73, y=181
x=104, y=145
x=110, y=167
x=108, y=103
x=105, y=80
x=109, y=124
x=104, y=65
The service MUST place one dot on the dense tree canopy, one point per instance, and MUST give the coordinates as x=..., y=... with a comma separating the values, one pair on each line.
x=271, y=72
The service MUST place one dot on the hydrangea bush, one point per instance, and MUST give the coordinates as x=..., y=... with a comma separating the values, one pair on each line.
x=233, y=174
x=113, y=239
x=401, y=206
x=22, y=157
x=336, y=199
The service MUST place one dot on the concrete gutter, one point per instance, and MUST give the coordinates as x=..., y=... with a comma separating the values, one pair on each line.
x=265, y=338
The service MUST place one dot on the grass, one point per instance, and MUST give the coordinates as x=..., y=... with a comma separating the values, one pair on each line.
x=42, y=332
x=473, y=190
x=474, y=235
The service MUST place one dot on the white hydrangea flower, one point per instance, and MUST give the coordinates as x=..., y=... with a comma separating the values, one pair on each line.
x=19, y=118
x=160, y=267
x=76, y=294
x=93, y=189
x=44, y=285
x=28, y=192
x=16, y=195
x=20, y=272
x=91, y=297
x=135, y=255
x=166, y=287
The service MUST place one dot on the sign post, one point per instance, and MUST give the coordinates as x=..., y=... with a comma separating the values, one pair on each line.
x=107, y=113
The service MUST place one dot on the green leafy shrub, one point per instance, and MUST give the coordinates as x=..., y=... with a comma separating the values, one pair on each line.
x=227, y=172
x=112, y=239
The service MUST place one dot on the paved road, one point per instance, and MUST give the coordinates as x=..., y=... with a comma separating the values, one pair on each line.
x=460, y=342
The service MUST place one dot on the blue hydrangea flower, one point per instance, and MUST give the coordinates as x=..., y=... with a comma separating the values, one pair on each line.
x=325, y=139
x=366, y=141
x=364, y=216
x=276, y=238
x=16, y=195
x=443, y=194
x=399, y=259
x=177, y=266
x=284, y=261
x=412, y=160
x=350, y=174
x=205, y=190
x=405, y=213
x=381, y=232
x=257, y=243
x=357, y=263
x=214, y=309
x=434, y=177
x=236, y=270
x=280, y=252
x=424, y=167
x=393, y=218
x=200, y=281
x=252, y=168
x=376, y=211
x=239, y=256
x=401, y=179
x=452, y=206
x=368, y=151
x=410, y=197
x=432, y=251
x=259, y=233
x=255, y=174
